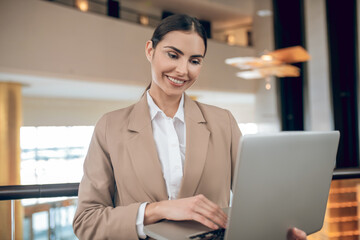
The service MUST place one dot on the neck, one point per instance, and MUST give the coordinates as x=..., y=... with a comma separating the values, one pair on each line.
x=167, y=103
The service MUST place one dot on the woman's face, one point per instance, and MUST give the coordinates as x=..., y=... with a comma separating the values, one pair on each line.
x=176, y=61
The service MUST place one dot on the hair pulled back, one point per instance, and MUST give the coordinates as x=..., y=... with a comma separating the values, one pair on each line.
x=178, y=22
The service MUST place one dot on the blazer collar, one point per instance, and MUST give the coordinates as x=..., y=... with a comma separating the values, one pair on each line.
x=192, y=110
x=139, y=116
x=142, y=150
x=197, y=141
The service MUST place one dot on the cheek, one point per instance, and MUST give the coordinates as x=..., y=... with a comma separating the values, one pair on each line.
x=194, y=72
x=161, y=65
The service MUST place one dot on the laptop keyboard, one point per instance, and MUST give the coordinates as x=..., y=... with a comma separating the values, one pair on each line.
x=215, y=235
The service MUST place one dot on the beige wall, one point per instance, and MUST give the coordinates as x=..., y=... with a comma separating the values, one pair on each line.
x=39, y=37
x=38, y=111
x=66, y=112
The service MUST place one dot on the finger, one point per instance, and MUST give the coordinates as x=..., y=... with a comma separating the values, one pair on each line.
x=290, y=234
x=296, y=234
x=212, y=215
x=301, y=235
x=211, y=206
x=212, y=211
x=203, y=220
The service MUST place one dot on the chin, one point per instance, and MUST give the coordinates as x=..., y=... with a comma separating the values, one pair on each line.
x=174, y=93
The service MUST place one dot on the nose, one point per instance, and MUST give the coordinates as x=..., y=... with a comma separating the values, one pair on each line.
x=182, y=68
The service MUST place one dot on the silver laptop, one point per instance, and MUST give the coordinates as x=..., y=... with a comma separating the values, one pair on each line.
x=282, y=180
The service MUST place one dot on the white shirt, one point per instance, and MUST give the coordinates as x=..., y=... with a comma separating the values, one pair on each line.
x=170, y=139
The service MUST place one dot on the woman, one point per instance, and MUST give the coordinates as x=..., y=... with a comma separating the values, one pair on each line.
x=165, y=157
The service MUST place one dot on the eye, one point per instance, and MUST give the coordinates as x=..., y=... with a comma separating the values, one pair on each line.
x=172, y=55
x=195, y=61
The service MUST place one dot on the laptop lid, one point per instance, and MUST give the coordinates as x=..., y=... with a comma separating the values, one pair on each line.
x=282, y=180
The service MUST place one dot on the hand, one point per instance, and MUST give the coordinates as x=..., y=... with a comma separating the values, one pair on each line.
x=296, y=234
x=197, y=208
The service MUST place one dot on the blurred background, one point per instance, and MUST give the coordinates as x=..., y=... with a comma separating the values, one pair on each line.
x=64, y=63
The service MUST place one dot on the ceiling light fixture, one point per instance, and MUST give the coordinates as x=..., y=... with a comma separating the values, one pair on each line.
x=230, y=39
x=144, y=20
x=83, y=5
x=264, y=13
x=276, y=63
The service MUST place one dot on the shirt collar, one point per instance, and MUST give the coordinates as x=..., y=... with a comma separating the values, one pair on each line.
x=154, y=109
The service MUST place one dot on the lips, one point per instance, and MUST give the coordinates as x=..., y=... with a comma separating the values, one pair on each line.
x=175, y=81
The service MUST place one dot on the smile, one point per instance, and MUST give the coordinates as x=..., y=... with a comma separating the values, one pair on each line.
x=176, y=81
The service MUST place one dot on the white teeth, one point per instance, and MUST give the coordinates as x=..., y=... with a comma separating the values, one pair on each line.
x=175, y=80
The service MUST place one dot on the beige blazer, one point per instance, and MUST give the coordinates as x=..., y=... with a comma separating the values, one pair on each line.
x=122, y=169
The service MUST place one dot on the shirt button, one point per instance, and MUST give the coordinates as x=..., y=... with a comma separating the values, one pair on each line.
x=173, y=145
x=177, y=167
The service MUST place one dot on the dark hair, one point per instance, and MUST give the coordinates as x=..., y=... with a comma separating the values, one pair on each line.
x=177, y=22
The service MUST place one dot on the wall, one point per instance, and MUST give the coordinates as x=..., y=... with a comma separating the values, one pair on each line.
x=39, y=111
x=66, y=112
x=43, y=38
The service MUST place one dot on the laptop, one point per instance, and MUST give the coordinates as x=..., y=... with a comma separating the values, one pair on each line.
x=282, y=180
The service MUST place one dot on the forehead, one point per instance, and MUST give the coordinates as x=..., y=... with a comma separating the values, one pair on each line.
x=187, y=42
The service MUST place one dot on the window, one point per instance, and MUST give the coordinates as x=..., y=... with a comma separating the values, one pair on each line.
x=53, y=154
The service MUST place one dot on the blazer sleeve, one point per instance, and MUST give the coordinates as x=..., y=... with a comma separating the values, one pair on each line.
x=96, y=216
x=235, y=138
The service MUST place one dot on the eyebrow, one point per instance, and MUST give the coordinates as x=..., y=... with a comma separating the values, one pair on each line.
x=181, y=52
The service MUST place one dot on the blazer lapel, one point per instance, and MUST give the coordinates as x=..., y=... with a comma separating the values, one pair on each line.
x=197, y=140
x=143, y=153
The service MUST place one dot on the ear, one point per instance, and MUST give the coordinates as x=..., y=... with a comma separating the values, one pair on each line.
x=149, y=50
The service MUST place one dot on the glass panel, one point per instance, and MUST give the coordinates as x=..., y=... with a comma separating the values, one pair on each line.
x=341, y=219
x=40, y=219
x=49, y=218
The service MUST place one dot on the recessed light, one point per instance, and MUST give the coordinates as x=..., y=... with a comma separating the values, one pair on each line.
x=264, y=13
